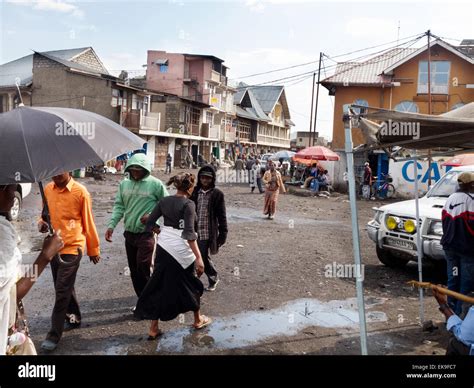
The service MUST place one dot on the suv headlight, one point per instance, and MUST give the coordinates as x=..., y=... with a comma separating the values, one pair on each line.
x=436, y=227
x=392, y=222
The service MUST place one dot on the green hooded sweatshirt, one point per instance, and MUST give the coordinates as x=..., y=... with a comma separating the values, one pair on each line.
x=136, y=198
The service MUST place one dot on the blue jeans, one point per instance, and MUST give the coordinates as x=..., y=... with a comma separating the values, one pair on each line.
x=460, y=276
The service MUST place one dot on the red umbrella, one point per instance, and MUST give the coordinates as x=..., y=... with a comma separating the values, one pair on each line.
x=306, y=155
x=460, y=160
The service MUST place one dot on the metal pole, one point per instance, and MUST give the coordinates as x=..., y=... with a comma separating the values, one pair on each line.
x=428, y=33
x=355, y=233
x=418, y=238
x=317, y=99
x=312, y=104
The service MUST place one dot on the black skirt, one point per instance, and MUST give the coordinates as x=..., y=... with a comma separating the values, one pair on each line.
x=171, y=290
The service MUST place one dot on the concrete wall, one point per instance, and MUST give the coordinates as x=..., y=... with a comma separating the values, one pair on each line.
x=403, y=174
x=90, y=60
x=170, y=82
x=54, y=85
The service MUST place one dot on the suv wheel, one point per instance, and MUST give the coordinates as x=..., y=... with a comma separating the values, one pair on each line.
x=389, y=259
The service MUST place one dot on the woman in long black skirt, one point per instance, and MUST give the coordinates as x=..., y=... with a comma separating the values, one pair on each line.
x=174, y=288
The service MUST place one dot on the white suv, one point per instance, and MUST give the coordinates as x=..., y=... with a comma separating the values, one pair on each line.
x=393, y=227
x=23, y=189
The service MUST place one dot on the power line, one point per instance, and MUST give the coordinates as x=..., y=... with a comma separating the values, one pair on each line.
x=308, y=63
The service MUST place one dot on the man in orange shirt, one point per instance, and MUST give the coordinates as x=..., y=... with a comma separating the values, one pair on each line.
x=70, y=212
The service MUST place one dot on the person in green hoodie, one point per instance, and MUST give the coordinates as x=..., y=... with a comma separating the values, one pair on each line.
x=137, y=196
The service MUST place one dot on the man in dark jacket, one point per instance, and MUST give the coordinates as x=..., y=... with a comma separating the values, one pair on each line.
x=211, y=220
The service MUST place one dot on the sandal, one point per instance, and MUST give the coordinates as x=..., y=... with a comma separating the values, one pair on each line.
x=206, y=321
x=154, y=337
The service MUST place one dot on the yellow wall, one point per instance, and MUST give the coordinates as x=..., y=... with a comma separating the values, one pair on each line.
x=407, y=74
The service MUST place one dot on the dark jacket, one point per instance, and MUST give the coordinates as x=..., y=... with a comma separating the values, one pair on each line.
x=217, y=213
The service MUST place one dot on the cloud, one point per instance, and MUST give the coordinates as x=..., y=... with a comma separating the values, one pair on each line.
x=365, y=27
x=51, y=5
x=255, y=5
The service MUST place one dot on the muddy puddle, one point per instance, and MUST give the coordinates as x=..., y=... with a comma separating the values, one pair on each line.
x=250, y=328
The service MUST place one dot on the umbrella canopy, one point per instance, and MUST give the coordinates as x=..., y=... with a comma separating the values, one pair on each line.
x=38, y=143
x=460, y=160
x=310, y=154
x=453, y=129
x=282, y=154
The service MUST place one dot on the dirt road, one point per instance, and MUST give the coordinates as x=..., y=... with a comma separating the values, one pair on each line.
x=278, y=292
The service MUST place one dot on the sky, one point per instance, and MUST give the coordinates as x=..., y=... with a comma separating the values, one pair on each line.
x=251, y=36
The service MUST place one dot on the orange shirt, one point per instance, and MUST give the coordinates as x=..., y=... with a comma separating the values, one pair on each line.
x=71, y=212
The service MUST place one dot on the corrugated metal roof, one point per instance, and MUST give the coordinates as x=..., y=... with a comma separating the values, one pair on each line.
x=257, y=107
x=267, y=96
x=67, y=54
x=368, y=72
x=22, y=68
x=238, y=96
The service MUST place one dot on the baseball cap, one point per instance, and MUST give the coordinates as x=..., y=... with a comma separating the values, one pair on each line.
x=466, y=177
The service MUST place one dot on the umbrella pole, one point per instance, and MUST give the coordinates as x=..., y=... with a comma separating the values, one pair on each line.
x=418, y=239
x=355, y=235
x=45, y=213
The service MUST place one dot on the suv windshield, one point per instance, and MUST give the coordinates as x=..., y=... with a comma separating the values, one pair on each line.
x=446, y=186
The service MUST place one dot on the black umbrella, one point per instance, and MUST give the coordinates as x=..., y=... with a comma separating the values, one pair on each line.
x=38, y=143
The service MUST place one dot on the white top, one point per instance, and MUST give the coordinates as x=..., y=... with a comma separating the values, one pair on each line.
x=10, y=261
x=171, y=241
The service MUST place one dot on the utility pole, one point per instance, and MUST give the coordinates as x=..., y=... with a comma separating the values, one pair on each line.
x=312, y=104
x=428, y=33
x=317, y=99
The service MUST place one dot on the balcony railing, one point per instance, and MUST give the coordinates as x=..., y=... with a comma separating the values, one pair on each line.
x=215, y=76
x=273, y=140
x=131, y=120
x=150, y=121
x=214, y=131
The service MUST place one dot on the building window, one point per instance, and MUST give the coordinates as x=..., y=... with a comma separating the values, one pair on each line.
x=209, y=118
x=243, y=130
x=164, y=68
x=361, y=102
x=458, y=105
x=439, y=77
x=191, y=115
x=407, y=106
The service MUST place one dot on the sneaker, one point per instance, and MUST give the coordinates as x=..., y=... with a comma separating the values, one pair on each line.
x=48, y=345
x=212, y=287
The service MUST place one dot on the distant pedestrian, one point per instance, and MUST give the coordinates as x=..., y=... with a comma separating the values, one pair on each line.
x=239, y=166
x=248, y=166
x=273, y=186
x=256, y=176
x=174, y=287
x=367, y=182
x=169, y=160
